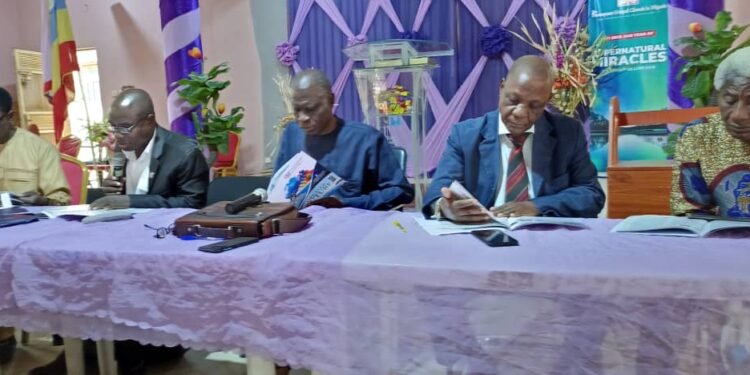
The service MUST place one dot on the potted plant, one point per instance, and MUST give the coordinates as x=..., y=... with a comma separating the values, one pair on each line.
x=702, y=54
x=99, y=140
x=212, y=122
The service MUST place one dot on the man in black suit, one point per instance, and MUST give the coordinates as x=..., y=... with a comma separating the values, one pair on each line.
x=163, y=169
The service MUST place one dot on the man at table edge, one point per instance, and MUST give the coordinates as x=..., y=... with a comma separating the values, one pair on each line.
x=519, y=160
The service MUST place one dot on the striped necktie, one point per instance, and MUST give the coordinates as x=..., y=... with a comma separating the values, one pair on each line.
x=517, y=183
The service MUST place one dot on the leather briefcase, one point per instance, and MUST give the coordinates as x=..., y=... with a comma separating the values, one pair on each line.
x=264, y=220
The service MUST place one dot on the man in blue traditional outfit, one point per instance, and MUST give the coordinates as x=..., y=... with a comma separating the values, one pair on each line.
x=518, y=160
x=356, y=152
x=711, y=172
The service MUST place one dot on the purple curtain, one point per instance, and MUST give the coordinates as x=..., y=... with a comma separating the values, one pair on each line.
x=180, y=23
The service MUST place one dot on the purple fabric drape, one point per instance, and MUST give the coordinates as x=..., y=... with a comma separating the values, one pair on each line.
x=180, y=23
x=303, y=9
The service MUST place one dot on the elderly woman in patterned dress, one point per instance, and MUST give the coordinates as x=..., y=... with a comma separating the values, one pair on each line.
x=711, y=173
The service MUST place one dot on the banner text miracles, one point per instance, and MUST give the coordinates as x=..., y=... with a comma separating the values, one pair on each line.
x=636, y=55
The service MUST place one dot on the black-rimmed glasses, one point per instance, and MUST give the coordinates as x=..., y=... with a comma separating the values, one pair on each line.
x=126, y=128
x=161, y=232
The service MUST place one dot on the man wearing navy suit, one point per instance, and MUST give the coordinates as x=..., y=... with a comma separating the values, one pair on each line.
x=519, y=160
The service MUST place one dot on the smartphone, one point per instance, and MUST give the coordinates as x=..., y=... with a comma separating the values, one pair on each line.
x=226, y=245
x=494, y=238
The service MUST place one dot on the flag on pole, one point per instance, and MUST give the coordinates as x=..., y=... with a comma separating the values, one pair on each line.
x=59, y=59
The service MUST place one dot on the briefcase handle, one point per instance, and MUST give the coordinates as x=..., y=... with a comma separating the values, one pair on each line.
x=265, y=228
x=229, y=232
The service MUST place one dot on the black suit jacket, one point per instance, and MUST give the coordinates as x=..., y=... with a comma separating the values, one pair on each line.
x=178, y=174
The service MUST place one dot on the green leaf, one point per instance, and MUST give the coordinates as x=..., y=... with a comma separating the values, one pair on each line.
x=723, y=19
x=698, y=87
x=217, y=70
x=217, y=85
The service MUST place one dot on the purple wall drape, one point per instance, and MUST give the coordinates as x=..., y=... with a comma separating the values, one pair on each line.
x=464, y=86
x=180, y=23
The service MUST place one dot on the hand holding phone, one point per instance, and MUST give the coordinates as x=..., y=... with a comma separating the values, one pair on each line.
x=494, y=238
x=226, y=245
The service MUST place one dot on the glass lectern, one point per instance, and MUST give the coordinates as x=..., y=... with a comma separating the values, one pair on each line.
x=387, y=105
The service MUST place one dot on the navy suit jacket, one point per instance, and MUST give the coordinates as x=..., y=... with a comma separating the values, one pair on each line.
x=364, y=159
x=564, y=178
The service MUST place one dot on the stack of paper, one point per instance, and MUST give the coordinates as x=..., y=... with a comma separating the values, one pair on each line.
x=84, y=211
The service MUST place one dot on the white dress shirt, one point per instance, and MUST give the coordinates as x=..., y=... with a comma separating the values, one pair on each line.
x=506, y=147
x=138, y=170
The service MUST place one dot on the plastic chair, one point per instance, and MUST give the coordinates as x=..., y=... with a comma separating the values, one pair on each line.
x=231, y=188
x=77, y=175
x=226, y=164
x=69, y=145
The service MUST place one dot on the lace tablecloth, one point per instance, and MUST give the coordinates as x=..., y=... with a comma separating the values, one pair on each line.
x=354, y=294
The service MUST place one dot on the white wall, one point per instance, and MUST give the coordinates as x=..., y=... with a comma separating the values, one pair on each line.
x=125, y=35
x=270, y=21
x=228, y=34
x=740, y=10
x=9, y=31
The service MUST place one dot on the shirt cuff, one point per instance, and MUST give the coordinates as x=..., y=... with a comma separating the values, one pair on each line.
x=436, y=213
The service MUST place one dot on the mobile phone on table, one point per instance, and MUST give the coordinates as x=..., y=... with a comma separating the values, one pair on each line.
x=494, y=237
x=226, y=245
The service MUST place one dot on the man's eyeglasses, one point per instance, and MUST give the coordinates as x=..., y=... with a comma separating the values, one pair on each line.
x=126, y=128
x=161, y=232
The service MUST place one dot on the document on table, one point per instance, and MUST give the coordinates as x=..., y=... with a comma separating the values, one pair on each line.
x=442, y=227
x=85, y=211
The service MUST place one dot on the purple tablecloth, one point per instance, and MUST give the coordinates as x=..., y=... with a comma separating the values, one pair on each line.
x=353, y=294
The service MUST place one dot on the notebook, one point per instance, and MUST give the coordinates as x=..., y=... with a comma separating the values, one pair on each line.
x=662, y=225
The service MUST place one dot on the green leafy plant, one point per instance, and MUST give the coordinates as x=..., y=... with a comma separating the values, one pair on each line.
x=98, y=136
x=703, y=53
x=212, y=124
x=97, y=133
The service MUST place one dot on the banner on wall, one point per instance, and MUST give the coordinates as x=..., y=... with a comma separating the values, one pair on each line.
x=637, y=51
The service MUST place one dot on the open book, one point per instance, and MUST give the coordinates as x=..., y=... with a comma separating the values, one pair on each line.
x=84, y=213
x=661, y=225
x=302, y=180
x=441, y=227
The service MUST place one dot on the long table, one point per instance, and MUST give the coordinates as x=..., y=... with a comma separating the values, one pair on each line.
x=354, y=294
